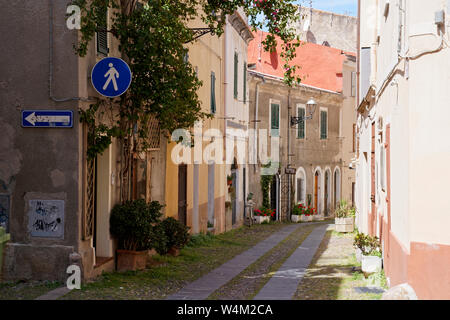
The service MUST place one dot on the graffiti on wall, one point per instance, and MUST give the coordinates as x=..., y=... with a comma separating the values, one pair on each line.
x=4, y=211
x=47, y=218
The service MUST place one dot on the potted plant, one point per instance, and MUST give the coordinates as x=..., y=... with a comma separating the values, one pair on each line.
x=344, y=217
x=133, y=224
x=297, y=212
x=263, y=215
x=308, y=214
x=171, y=237
x=371, y=259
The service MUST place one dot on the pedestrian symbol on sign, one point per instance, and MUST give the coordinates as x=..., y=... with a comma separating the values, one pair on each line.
x=112, y=74
x=111, y=77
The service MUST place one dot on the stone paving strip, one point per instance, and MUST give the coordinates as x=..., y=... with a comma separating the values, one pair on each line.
x=284, y=283
x=247, y=284
x=206, y=285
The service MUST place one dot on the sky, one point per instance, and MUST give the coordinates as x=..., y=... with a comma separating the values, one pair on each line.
x=348, y=7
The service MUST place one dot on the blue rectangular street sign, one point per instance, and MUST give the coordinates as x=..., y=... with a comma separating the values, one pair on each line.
x=47, y=119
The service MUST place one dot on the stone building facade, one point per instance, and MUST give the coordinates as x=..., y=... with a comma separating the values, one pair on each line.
x=327, y=28
x=45, y=170
x=317, y=153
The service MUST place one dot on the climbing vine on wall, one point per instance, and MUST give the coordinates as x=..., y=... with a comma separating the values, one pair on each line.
x=152, y=35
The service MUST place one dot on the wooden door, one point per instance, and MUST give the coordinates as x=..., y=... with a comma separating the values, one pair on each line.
x=182, y=193
x=316, y=191
x=327, y=182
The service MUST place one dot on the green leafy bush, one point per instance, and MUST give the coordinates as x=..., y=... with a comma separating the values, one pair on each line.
x=369, y=246
x=133, y=224
x=176, y=236
x=344, y=210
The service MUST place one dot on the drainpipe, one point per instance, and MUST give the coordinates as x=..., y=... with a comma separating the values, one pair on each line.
x=289, y=154
x=226, y=74
x=358, y=53
x=255, y=125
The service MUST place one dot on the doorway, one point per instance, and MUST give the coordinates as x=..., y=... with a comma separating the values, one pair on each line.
x=327, y=185
x=182, y=193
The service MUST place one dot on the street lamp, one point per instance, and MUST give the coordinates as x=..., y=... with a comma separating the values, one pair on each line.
x=311, y=106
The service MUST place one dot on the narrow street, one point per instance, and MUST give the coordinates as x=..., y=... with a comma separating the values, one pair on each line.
x=307, y=261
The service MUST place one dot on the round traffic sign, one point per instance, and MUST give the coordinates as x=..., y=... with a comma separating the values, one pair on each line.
x=111, y=77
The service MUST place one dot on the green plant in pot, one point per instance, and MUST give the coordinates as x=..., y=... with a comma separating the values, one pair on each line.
x=370, y=248
x=344, y=217
x=133, y=225
x=170, y=237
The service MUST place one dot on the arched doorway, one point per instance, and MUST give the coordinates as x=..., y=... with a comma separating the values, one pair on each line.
x=300, y=186
x=317, y=190
x=327, y=196
x=337, y=186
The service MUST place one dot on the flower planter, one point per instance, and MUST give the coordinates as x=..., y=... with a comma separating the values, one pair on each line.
x=295, y=218
x=131, y=260
x=304, y=218
x=318, y=217
x=370, y=264
x=344, y=224
x=260, y=219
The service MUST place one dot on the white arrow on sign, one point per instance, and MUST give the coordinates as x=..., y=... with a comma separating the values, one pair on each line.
x=33, y=118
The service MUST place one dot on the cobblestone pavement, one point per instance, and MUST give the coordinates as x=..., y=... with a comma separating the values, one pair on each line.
x=247, y=284
x=334, y=273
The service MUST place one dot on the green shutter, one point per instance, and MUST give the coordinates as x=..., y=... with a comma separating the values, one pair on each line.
x=102, y=34
x=301, y=125
x=323, y=125
x=275, y=120
x=245, y=83
x=236, y=63
x=213, y=92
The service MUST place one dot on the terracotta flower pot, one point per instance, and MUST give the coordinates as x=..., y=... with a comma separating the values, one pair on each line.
x=174, y=252
x=131, y=260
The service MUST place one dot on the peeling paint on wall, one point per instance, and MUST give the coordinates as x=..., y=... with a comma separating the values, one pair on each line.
x=10, y=158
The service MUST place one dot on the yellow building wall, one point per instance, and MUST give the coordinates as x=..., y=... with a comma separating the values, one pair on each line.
x=206, y=55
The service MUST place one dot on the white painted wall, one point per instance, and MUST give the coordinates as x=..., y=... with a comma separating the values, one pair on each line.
x=415, y=102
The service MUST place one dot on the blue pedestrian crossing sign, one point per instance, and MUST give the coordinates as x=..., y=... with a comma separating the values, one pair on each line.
x=47, y=119
x=111, y=77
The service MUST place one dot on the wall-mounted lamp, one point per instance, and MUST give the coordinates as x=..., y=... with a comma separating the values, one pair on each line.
x=311, y=106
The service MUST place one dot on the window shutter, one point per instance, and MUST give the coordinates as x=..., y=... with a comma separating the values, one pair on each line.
x=275, y=123
x=323, y=125
x=236, y=62
x=301, y=125
x=213, y=92
x=102, y=34
x=245, y=83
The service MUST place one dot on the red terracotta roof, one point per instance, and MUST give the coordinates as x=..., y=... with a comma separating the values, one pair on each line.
x=320, y=66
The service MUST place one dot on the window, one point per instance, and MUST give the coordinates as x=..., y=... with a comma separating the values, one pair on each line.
x=245, y=82
x=102, y=33
x=236, y=63
x=275, y=119
x=354, y=137
x=323, y=124
x=353, y=93
x=301, y=126
x=213, y=92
